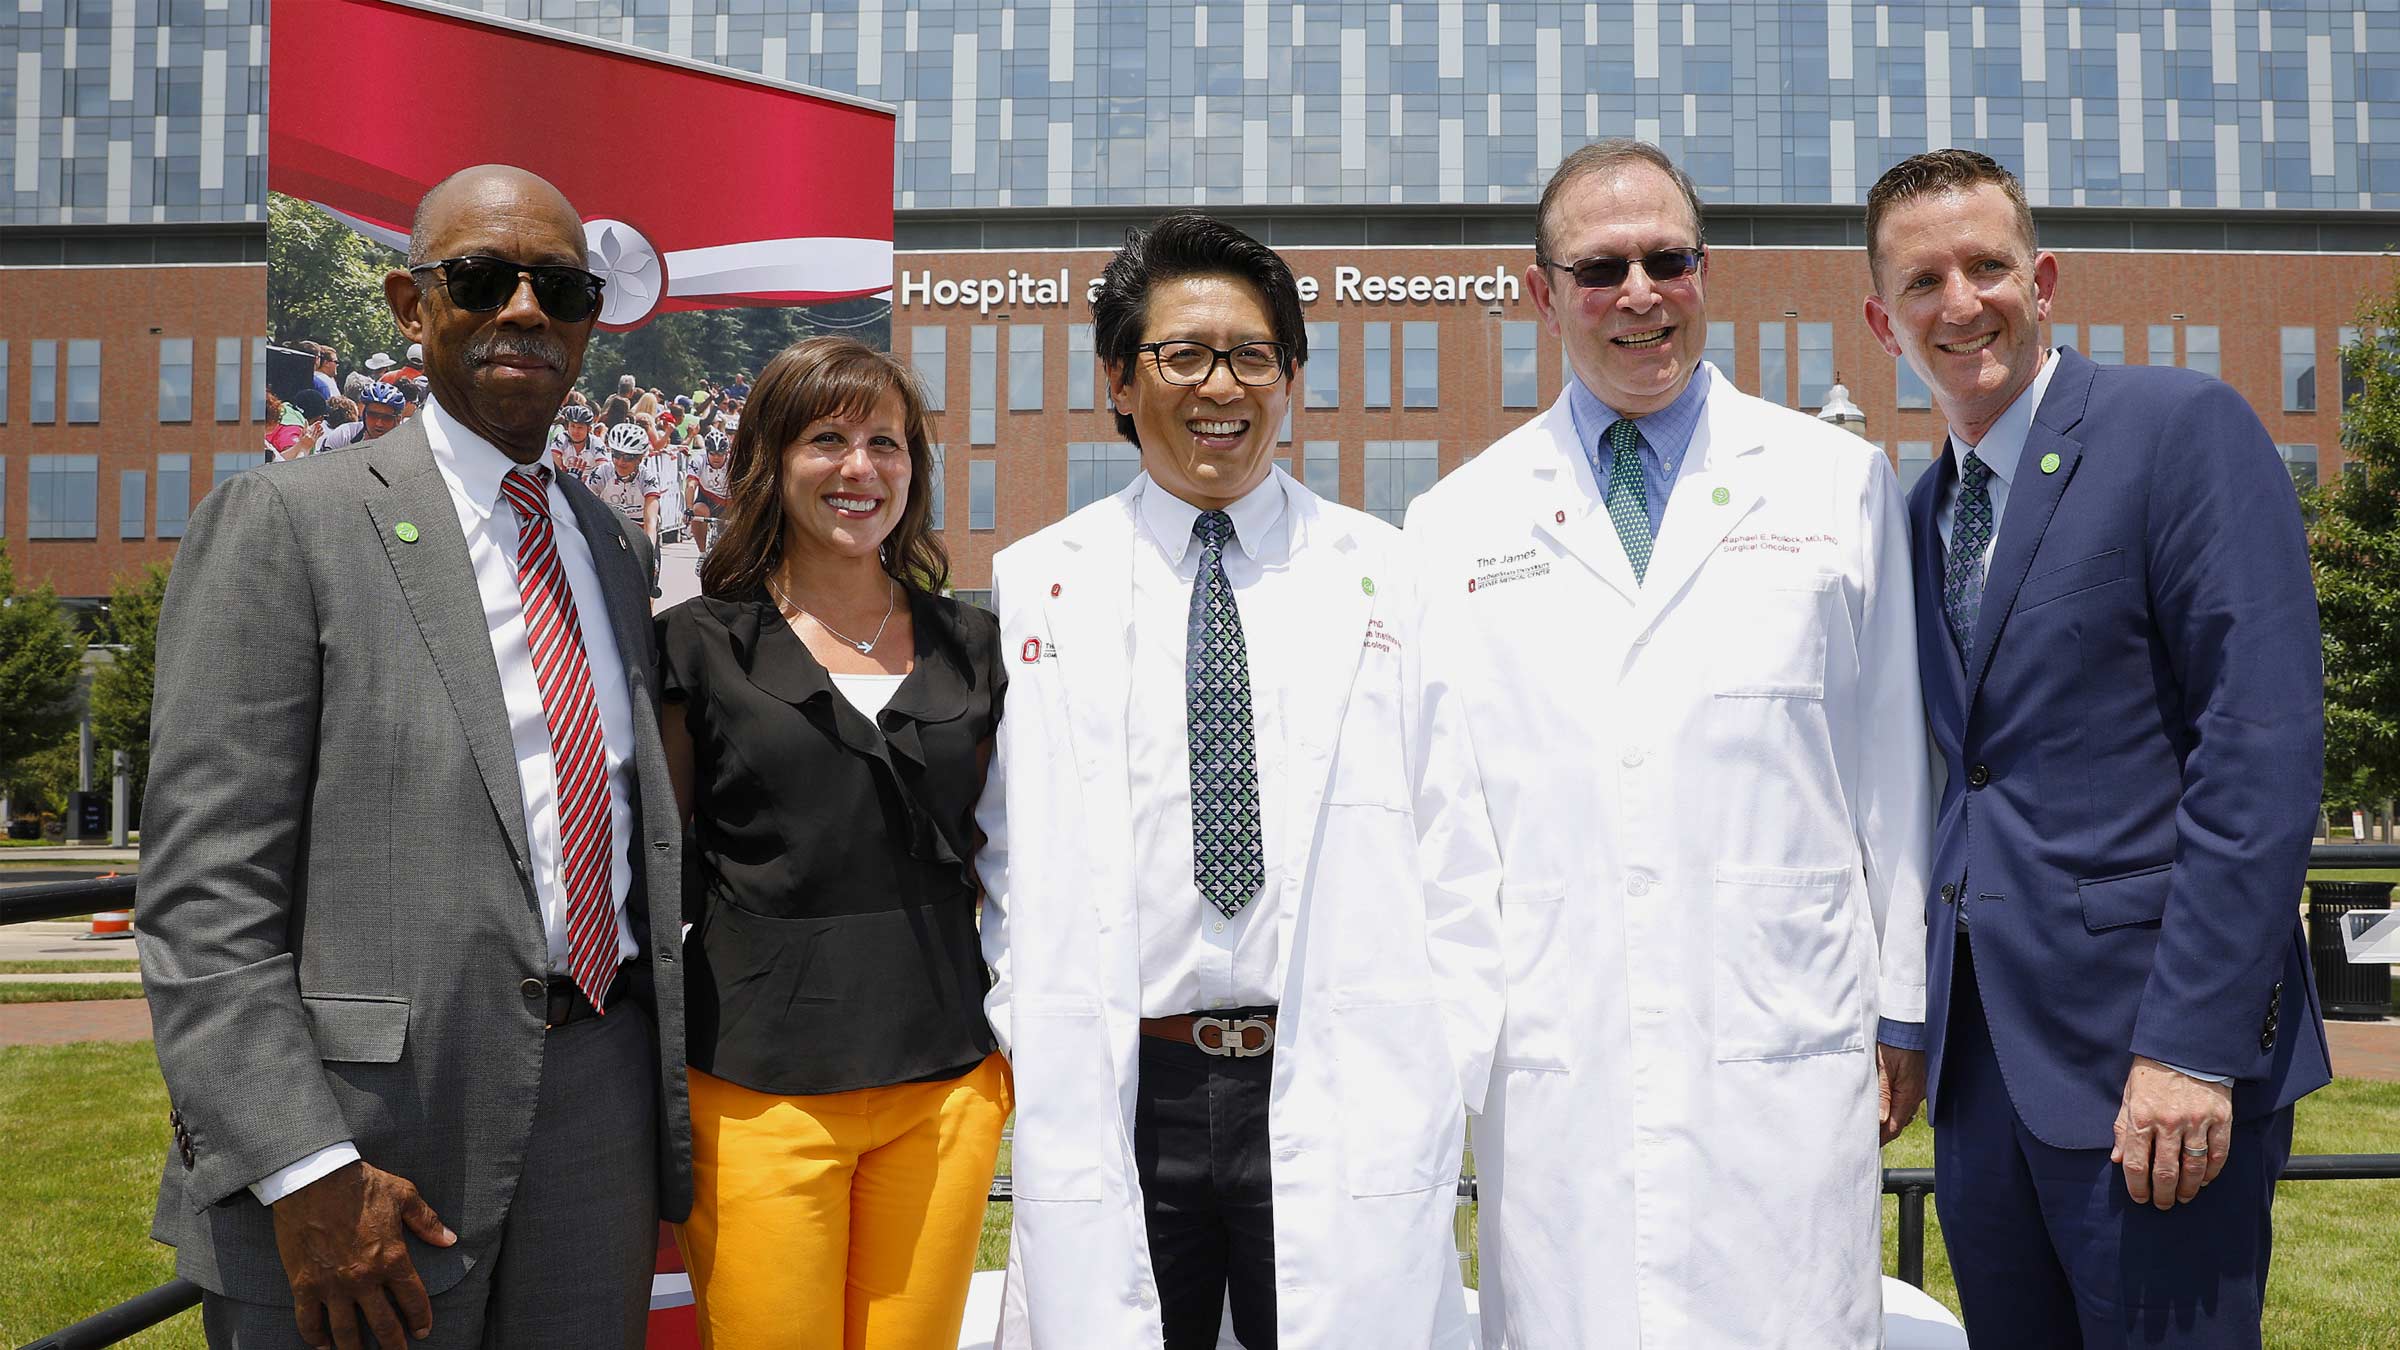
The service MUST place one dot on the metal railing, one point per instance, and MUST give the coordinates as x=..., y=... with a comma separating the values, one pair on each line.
x=1913, y=1185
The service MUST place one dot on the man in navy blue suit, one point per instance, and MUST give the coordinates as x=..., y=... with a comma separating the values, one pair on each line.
x=2118, y=639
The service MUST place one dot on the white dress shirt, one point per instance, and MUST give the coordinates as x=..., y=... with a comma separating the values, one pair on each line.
x=471, y=466
x=2002, y=449
x=1193, y=958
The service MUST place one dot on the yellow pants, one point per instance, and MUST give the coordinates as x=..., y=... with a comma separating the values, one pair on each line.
x=843, y=1220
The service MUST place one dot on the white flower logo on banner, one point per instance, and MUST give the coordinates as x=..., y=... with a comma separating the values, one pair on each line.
x=636, y=274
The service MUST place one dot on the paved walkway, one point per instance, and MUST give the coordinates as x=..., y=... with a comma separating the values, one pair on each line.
x=119, y=1019
x=2369, y=1050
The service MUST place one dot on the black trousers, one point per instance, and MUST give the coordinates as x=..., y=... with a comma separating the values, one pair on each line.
x=1200, y=1143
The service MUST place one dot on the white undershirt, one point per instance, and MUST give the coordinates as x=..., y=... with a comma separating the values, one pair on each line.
x=1192, y=957
x=868, y=693
x=471, y=467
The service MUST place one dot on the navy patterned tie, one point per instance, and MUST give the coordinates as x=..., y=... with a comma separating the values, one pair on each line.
x=1628, y=499
x=1228, y=858
x=1970, y=533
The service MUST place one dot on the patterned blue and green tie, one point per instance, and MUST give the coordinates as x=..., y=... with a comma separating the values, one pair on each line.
x=1228, y=857
x=1970, y=533
x=1628, y=501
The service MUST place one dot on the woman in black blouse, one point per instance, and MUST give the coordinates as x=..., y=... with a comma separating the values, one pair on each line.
x=827, y=716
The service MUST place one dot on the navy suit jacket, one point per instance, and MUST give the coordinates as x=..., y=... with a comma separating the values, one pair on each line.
x=2135, y=746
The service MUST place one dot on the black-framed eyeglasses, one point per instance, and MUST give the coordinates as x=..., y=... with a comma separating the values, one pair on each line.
x=1667, y=264
x=480, y=284
x=1183, y=361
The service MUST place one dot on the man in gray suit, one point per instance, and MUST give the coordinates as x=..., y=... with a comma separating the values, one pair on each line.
x=409, y=911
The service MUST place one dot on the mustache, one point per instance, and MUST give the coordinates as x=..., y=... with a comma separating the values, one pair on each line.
x=491, y=345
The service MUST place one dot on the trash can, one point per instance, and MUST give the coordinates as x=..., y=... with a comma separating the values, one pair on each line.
x=2361, y=993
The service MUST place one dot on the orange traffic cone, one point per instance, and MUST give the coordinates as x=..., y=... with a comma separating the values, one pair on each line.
x=112, y=923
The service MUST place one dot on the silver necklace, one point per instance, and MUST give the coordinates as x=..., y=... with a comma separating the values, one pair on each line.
x=891, y=598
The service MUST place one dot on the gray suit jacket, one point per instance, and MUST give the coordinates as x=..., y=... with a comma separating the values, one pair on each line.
x=337, y=917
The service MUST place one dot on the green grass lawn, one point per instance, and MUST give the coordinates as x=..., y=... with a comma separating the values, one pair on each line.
x=64, y=992
x=86, y=1126
x=69, y=967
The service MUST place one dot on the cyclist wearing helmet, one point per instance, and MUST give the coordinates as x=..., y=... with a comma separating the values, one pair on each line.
x=572, y=451
x=707, y=487
x=380, y=408
x=621, y=484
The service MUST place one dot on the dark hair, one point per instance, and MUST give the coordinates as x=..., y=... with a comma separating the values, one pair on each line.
x=1186, y=244
x=1607, y=158
x=817, y=378
x=1933, y=173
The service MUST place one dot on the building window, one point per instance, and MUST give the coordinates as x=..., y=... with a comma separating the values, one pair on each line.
x=2162, y=344
x=1420, y=366
x=2302, y=461
x=1719, y=352
x=1520, y=385
x=131, y=506
x=1080, y=367
x=2354, y=375
x=929, y=353
x=1323, y=375
x=1396, y=472
x=1025, y=367
x=174, y=494
x=1097, y=469
x=41, y=404
x=1379, y=365
x=258, y=382
x=174, y=379
x=231, y=462
x=983, y=380
x=1915, y=458
x=83, y=381
x=2200, y=348
x=937, y=494
x=1816, y=363
x=2299, y=370
x=983, y=494
x=62, y=497
x=1772, y=384
x=1321, y=468
x=2108, y=344
x=980, y=599
x=229, y=379
x=2067, y=335
x=1909, y=390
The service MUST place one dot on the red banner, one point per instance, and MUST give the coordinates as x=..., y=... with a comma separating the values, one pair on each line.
x=700, y=188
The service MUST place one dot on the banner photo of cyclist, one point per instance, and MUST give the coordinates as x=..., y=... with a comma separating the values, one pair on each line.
x=778, y=227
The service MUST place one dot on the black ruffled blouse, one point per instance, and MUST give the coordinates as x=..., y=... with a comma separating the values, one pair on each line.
x=827, y=878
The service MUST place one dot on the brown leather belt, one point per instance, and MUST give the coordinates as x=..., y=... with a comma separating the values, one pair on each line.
x=568, y=1005
x=1235, y=1037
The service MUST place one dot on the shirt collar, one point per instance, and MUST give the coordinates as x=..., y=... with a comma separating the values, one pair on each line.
x=1666, y=434
x=1169, y=517
x=2002, y=448
x=471, y=465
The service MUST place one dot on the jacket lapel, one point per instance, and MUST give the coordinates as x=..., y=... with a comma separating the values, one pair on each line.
x=437, y=578
x=1569, y=509
x=1949, y=695
x=1338, y=593
x=1695, y=523
x=1089, y=617
x=623, y=582
x=2032, y=501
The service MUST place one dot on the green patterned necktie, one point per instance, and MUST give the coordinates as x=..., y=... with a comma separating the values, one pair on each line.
x=1628, y=501
x=1228, y=857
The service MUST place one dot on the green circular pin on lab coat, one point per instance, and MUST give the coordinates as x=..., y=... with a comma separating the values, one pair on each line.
x=1367, y=584
x=1720, y=496
x=406, y=531
x=2050, y=462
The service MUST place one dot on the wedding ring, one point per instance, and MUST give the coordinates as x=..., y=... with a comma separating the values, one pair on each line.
x=2190, y=1151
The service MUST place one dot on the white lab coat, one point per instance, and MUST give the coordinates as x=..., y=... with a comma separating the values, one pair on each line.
x=1700, y=806
x=1374, y=1059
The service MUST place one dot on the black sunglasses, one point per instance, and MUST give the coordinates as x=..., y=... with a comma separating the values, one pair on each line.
x=480, y=284
x=1598, y=274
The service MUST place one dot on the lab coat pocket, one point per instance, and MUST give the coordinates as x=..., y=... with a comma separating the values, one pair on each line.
x=1533, y=1033
x=1776, y=641
x=1790, y=974
x=1401, y=1116
x=1064, y=1084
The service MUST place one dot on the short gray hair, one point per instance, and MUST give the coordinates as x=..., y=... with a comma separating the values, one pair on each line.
x=1608, y=157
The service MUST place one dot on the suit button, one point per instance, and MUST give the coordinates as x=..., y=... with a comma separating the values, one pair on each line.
x=1978, y=776
x=533, y=989
x=1949, y=893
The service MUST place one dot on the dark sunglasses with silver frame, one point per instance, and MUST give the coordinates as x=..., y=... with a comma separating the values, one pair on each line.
x=1667, y=264
x=480, y=284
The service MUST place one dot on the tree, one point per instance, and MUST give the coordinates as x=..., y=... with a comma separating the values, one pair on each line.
x=121, y=689
x=325, y=282
x=39, y=658
x=2354, y=544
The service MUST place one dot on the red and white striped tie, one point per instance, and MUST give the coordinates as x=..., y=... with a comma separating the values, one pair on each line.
x=578, y=754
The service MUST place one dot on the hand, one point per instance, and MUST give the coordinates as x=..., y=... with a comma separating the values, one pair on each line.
x=342, y=1246
x=1899, y=1087
x=2163, y=1113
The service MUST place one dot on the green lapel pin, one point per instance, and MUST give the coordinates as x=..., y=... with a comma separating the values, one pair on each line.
x=1720, y=496
x=2050, y=462
x=406, y=531
x=1367, y=584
